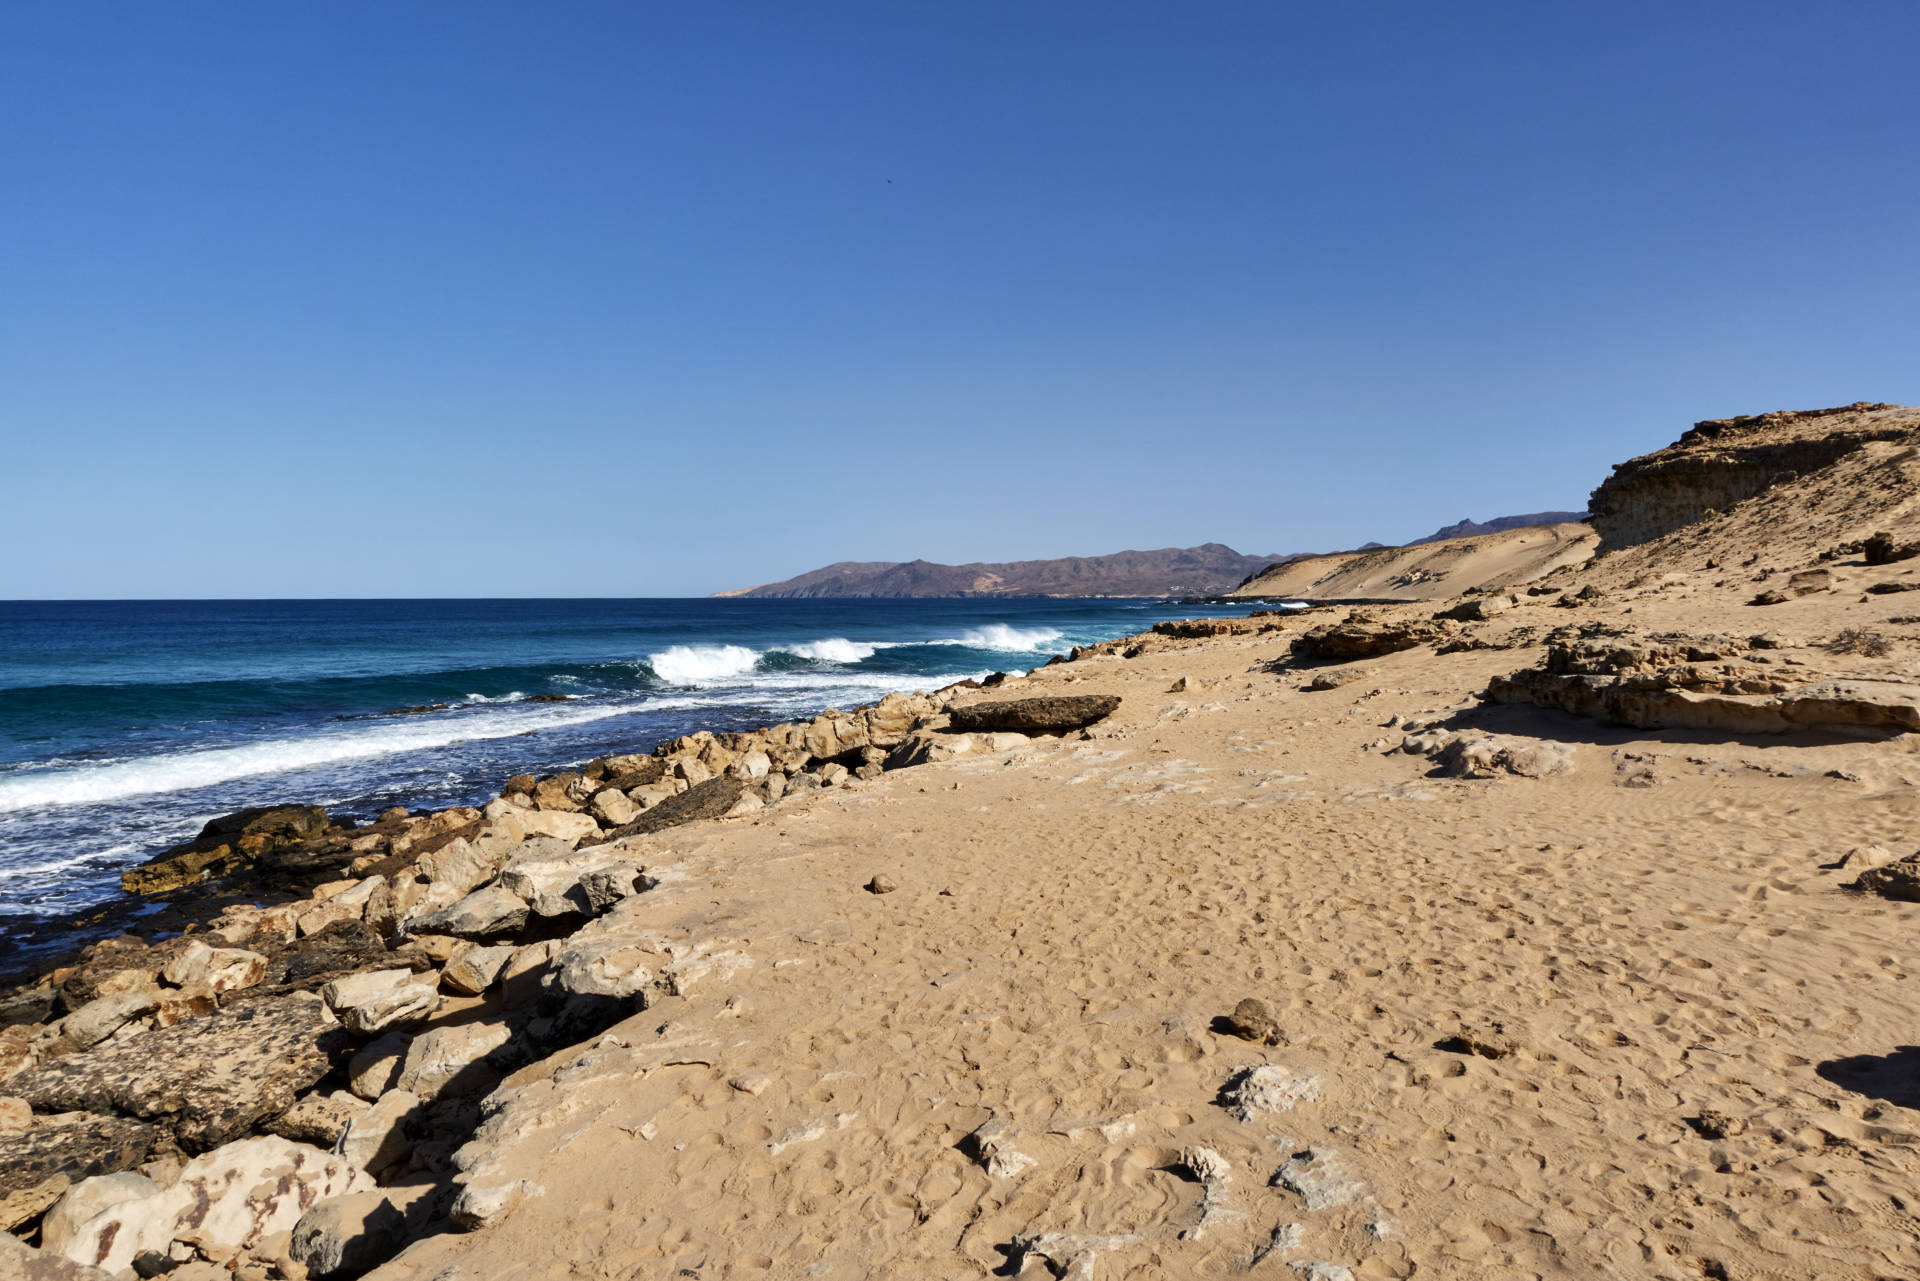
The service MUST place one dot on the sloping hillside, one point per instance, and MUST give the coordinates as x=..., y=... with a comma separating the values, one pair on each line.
x=1428, y=571
x=1206, y=570
x=1471, y=528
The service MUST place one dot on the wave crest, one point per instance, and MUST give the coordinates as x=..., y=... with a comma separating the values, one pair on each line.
x=1010, y=640
x=834, y=649
x=702, y=664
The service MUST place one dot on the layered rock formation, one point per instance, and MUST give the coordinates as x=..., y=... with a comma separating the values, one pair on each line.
x=1722, y=462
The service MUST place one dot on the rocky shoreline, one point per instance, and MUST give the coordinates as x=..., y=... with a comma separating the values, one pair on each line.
x=243, y=1085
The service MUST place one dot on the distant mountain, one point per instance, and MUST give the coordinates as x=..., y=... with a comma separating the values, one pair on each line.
x=1206, y=570
x=1471, y=528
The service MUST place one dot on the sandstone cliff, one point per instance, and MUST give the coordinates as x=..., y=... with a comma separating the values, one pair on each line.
x=1725, y=461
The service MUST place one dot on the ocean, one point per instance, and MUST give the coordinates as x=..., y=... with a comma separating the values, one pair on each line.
x=126, y=725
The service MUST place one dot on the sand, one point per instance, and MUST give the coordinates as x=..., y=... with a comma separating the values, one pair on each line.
x=1705, y=1064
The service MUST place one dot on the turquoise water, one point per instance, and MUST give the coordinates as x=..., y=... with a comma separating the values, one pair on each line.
x=125, y=725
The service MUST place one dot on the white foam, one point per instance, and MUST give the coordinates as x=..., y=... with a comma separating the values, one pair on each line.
x=184, y=771
x=834, y=649
x=1009, y=640
x=702, y=664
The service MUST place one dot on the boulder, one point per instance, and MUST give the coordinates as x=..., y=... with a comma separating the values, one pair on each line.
x=473, y=971
x=348, y=905
x=225, y=844
x=223, y=1202
x=319, y=1119
x=490, y=913
x=211, y=1079
x=215, y=969
x=443, y=1060
x=613, y=807
x=1364, y=637
x=21, y=1262
x=373, y=1071
x=461, y=866
x=1898, y=880
x=371, y=1003
x=347, y=1235
x=711, y=799
x=377, y=1137
x=548, y=875
x=1053, y=714
x=566, y=826
x=556, y=793
x=99, y=1019
x=88, y=1198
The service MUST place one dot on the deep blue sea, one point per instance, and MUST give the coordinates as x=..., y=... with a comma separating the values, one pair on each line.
x=125, y=725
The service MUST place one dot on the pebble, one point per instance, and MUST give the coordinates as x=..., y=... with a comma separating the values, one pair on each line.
x=881, y=884
x=1251, y=1020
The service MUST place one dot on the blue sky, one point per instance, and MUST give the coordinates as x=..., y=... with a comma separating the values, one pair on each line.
x=615, y=299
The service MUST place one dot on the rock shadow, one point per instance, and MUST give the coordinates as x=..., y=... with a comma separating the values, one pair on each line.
x=1893, y=1078
x=1527, y=721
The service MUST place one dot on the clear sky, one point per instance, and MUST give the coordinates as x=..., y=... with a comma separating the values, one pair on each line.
x=624, y=299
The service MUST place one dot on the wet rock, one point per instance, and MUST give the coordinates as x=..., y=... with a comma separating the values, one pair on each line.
x=223, y=1201
x=373, y=1002
x=1049, y=715
x=711, y=799
x=346, y=948
x=490, y=913
x=347, y=1235
x=1899, y=880
x=1252, y=1020
x=225, y=844
x=211, y=1079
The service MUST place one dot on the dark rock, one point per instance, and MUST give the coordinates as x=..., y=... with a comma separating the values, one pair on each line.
x=550, y=698
x=1887, y=589
x=226, y=843
x=1365, y=638
x=1882, y=550
x=1717, y=1125
x=1052, y=714
x=1251, y=1020
x=211, y=1079
x=348, y=1235
x=710, y=799
x=78, y=1145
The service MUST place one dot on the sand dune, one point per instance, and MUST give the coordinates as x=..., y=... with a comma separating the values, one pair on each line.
x=1428, y=571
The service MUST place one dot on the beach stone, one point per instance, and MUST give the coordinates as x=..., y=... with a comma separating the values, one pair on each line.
x=560, y=824
x=880, y=884
x=613, y=807
x=439, y=1060
x=215, y=969
x=473, y=972
x=100, y=1018
x=484, y=914
x=211, y=1079
x=377, y=1138
x=1252, y=1020
x=319, y=1119
x=21, y=1262
x=832, y=774
x=348, y=1235
x=88, y=1198
x=373, y=1071
x=371, y=1003
x=1048, y=715
x=223, y=1201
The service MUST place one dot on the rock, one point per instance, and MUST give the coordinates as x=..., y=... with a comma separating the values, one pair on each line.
x=1489, y=1043
x=21, y=1262
x=751, y=767
x=88, y=1198
x=480, y=1205
x=1268, y=1087
x=487, y=913
x=831, y=775
x=377, y=1137
x=560, y=824
x=223, y=1202
x=711, y=799
x=1480, y=608
x=319, y=1119
x=1364, y=637
x=215, y=969
x=1717, y=1125
x=16, y=1117
x=376, y=1068
x=225, y=844
x=992, y=1145
x=349, y=905
x=443, y=1061
x=927, y=747
x=549, y=877
x=1251, y=1020
x=520, y=785
x=556, y=793
x=1897, y=880
x=1473, y=757
x=373, y=1002
x=881, y=884
x=99, y=1019
x=1053, y=714
x=613, y=807
x=460, y=867
x=38, y=1165
x=473, y=972
x=347, y=1235
x=211, y=1078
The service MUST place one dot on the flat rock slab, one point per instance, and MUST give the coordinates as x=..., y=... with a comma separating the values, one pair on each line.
x=211, y=1079
x=78, y=1145
x=1034, y=715
x=710, y=799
